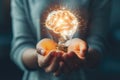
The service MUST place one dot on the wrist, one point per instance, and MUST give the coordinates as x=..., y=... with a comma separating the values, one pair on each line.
x=30, y=59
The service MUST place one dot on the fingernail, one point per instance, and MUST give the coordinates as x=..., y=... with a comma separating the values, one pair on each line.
x=42, y=51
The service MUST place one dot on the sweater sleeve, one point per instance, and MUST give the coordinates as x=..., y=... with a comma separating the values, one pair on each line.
x=22, y=34
x=99, y=24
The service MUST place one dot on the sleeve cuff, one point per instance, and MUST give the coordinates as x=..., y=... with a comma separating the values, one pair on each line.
x=96, y=47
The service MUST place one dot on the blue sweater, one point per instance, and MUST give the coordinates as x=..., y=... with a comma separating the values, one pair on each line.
x=27, y=30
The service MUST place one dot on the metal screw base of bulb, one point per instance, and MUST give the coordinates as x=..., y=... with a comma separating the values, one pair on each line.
x=62, y=48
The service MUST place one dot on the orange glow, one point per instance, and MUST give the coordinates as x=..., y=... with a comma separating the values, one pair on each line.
x=62, y=22
x=47, y=44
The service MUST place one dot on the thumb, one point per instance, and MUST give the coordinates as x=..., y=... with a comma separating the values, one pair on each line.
x=41, y=51
x=83, y=50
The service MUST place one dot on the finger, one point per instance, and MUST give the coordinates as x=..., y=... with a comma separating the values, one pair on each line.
x=73, y=61
x=40, y=60
x=76, y=61
x=54, y=63
x=40, y=51
x=69, y=60
x=44, y=61
x=83, y=50
x=60, y=69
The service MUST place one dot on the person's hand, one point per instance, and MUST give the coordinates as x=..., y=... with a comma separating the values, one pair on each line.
x=48, y=59
x=74, y=58
x=50, y=62
x=78, y=46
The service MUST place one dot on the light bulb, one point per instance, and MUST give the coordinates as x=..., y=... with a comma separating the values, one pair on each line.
x=63, y=23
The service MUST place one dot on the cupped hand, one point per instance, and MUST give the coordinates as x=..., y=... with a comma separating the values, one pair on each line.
x=74, y=58
x=50, y=62
x=78, y=46
x=48, y=56
x=59, y=62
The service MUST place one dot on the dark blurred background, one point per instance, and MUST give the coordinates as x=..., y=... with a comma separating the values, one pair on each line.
x=110, y=69
x=8, y=70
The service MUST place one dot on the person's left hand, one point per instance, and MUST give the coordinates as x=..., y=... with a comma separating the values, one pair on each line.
x=75, y=56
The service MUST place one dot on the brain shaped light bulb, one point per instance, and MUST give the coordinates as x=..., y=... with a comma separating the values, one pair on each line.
x=62, y=22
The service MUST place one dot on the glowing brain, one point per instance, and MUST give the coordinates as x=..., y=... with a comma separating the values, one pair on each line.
x=62, y=22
